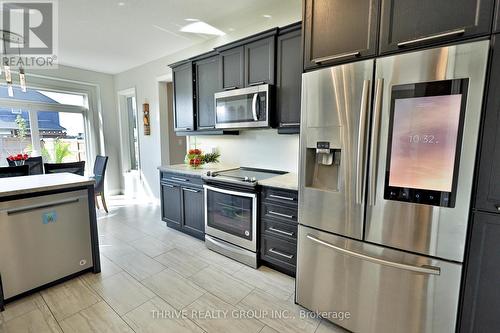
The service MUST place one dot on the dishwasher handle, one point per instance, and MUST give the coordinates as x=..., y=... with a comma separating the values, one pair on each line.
x=27, y=209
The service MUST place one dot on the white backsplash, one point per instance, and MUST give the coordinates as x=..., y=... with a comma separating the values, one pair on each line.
x=254, y=148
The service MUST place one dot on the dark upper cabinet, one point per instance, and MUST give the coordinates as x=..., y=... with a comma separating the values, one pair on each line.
x=288, y=79
x=339, y=30
x=407, y=24
x=183, y=97
x=481, y=297
x=171, y=203
x=194, y=221
x=232, y=68
x=259, y=61
x=207, y=84
x=488, y=183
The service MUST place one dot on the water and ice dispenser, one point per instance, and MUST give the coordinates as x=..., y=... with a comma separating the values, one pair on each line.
x=322, y=166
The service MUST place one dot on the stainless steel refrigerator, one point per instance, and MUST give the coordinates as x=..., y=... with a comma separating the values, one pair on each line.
x=387, y=154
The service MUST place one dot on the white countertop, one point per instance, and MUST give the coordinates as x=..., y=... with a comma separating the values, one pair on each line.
x=188, y=170
x=288, y=181
x=40, y=183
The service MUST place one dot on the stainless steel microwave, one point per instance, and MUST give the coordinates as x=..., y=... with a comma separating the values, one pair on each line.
x=243, y=108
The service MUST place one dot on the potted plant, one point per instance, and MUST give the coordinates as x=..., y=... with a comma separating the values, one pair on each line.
x=18, y=159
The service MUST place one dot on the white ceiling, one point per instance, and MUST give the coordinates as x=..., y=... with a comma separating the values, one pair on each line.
x=112, y=36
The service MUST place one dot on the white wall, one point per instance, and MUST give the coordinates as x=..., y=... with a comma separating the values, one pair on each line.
x=145, y=80
x=104, y=86
x=254, y=148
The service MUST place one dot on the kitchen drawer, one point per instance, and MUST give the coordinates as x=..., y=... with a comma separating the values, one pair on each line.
x=279, y=213
x=181, y=178
x=279, y=196
x=279, y=252
x=285, y=231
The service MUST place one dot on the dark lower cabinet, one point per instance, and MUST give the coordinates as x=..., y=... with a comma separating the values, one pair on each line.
x=171, y=203
x=193, y=214
x=278, y=229
x=481, y=298
x=288, y=79
x=407, y=24
x=259, y=61
x=232, y=68
x=183, y=97
x=207, y=84
x=339, y=31
x=488, y=181
x=182, y=203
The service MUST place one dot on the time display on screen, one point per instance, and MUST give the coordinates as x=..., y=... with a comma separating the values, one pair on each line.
x=423, y=138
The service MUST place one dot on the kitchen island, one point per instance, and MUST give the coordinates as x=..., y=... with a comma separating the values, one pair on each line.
x=48, y=232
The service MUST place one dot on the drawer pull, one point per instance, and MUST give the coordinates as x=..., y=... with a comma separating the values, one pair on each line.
x=168, y=185
x=179, y=179
x=281, y=231
x=231, y=88
x=424, y=39
x=281, y=197
x=288, y=256
x=190, y=190
x=340, y=56
x=280, y=214
x=424, y=269
x=257, y=83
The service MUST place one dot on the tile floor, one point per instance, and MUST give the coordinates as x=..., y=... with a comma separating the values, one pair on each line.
x=155, y=279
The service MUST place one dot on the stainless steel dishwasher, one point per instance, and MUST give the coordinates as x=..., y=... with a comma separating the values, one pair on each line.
x=43, y=239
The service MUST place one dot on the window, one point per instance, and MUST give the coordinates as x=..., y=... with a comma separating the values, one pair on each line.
x=51, y=124
x=133, y=134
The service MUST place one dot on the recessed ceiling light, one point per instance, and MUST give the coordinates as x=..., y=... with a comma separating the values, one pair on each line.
x=201, y=27
x=121, y=4
x=191, y=20
x=231, y=29
x=267, y=16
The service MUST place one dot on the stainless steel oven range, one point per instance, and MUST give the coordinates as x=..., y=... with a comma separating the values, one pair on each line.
x=231, y=212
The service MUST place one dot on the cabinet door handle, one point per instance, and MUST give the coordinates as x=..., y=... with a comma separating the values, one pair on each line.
x=179, y=179
x=190, y=190
x=281, y=231
x=335, y=57
x=257, y=83
x=168, y=185
x=231, y=88
x=281, y=197
x=288, y=256
x=424, y=39
x=289, y=124
x=280, y=214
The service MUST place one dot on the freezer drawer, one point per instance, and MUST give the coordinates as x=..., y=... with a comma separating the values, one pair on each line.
x=43, y=239
x=384, y=290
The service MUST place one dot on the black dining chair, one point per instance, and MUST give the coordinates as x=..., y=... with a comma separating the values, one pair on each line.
x=99, y=171
x=35, y=165
x=78, y=168
x=14, y=171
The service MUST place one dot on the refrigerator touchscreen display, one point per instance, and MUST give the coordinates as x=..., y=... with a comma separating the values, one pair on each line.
x=425, y=136
x=424, y=139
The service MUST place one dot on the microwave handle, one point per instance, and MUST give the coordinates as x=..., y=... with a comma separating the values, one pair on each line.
x=254, y=106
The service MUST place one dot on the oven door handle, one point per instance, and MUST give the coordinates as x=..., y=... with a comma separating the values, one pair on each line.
x=424, y=269
x=230, y=192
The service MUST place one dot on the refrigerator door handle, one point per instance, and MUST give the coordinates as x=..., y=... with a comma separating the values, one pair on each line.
x=431, y=270
x=379, y=88
x=360, y=160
